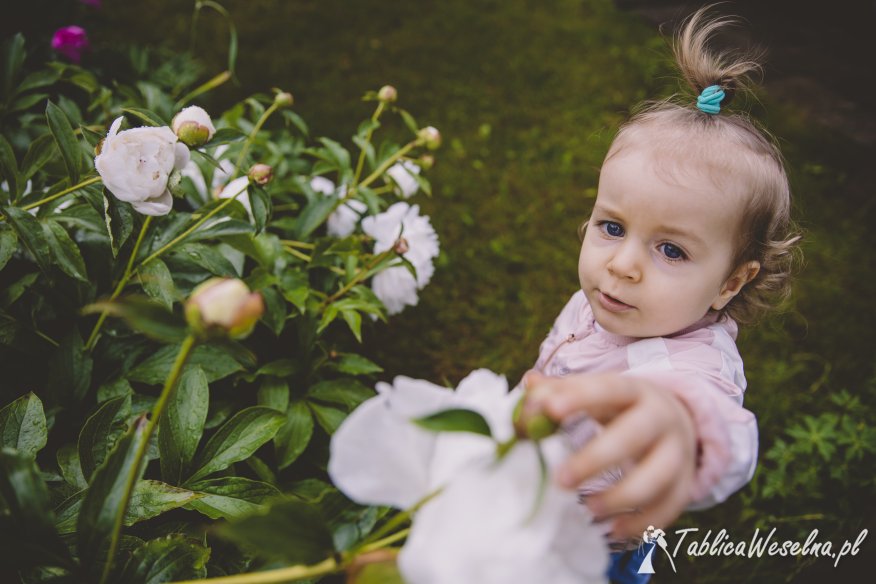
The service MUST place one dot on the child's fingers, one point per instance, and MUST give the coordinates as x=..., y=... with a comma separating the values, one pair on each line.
x=661, y=513
x=627, y=437
x=532, y=378
x=601, y=396
x=649, y=481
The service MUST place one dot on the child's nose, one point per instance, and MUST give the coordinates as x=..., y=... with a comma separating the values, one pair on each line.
x=626, y=262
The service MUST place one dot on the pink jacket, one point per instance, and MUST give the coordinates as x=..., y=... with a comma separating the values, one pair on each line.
x=700, y=364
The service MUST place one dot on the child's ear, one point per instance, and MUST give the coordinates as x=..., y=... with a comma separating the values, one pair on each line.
x=734, y=284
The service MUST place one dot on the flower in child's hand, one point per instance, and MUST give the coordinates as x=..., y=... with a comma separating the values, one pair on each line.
x=223, y=307
x=402, y=173
x=396, y=287
x=70, y=41
x=488, y=520
x=193, y=126
x=135, y=166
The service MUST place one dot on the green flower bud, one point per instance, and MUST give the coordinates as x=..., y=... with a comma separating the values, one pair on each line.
x=261, y=174
x=532, y=425
x=193, y=126
x=387, y=94
x=223, y=307
x=426, y=161
x=284, y=99
x=430, y=137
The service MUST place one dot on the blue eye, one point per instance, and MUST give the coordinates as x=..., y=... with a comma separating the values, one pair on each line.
x=613, y=229
x=672, y=252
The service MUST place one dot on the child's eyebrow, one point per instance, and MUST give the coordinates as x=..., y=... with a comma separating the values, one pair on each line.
x=681, y=233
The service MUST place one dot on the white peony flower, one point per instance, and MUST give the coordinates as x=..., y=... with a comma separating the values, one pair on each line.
x=135, y=166
x=193, y=126
x=239, y=185
x=481, y=526
x=402, y=173
x=343, y=220
x=396, y=287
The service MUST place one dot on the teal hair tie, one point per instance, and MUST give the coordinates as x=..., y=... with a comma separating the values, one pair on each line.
x=710, y=99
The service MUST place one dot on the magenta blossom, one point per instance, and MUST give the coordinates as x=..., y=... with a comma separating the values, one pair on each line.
x=70, y=41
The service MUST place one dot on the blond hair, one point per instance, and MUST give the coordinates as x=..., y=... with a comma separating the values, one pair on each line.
x=732, y=144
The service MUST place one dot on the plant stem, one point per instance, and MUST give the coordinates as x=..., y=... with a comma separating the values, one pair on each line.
x=378, y=172
x=297, y=254
x=123, y=281
x=301, y=244
x=249, y=139
x=289, y=574
x=386, y=541
x=67, y=191
x=361, y=163
x=169, y=385
x=358, y=277
x=194, y=226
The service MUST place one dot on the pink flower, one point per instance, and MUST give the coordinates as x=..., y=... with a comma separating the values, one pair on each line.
x=70, y=41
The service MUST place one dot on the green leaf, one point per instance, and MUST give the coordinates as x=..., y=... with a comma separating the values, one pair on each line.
x=8, y=241
x=66, y=252
x=290, y=531
x=220, y=229
x=260, y=202
x=225, y=136
x=214, y=360
x=345, y=392
x=70, y=367
x=27, y=101
x=409, y=121
x=23, y=425
x=9, y=168
x=65, y=139
x=119, y=218
x=354, y=321
x=100, y=432
x=230, y=497
x=184, y=257
x=27, y=532
x=157, y=282
x=71, y=469
x=104, y=497
x=149, y=499
x=356, y=364
x=13, y=59
x=144, y=316
x=275, y=310
x=37, y=79
x=150, y=117
x=455, y=420
x=295, y=288
x=119, y=387
x=38, y=154
x=273, y=393
x=384, y=572
x=174, y=557
x=327, y=417
x=15, y=290
x=182, y=424
x=236, y=440
x=315, y=214
x=32, y=236
x=294, y=435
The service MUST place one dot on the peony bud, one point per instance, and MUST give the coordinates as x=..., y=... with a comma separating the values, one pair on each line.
x=70, y=41
x=430, y=137
x=193, y=126
x=532, y=425
x=261, y=174
x=284, y=99
x=426, y=161
x=387, y=94
x=223, y=307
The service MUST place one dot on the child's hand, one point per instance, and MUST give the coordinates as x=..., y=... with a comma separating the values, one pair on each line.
x=644, y=424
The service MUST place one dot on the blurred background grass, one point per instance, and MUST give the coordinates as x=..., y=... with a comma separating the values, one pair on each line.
x=528, y=95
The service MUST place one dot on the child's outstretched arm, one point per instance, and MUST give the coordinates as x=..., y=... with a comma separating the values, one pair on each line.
x=653, y=424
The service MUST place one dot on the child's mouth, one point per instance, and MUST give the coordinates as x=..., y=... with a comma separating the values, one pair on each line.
x=612, y=304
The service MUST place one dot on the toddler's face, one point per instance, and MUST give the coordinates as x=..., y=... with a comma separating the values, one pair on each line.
x=658, y=247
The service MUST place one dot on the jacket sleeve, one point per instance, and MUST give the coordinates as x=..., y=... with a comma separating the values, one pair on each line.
x=727, y=437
